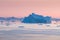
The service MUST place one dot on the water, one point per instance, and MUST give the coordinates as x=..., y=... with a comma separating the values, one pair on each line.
x=29, y=37
x=51, y=34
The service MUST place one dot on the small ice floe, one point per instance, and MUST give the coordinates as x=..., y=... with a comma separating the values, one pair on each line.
x=20, y=26
x=48, y=25
x=40, y=24
x=7, y=24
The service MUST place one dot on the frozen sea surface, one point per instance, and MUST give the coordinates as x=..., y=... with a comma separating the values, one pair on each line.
x=30, y=32
x=51, y=34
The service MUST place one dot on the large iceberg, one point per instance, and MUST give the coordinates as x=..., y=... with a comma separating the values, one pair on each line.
x=34, y=18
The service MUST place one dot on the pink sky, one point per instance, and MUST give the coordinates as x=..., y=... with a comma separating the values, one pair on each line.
x=21, y=8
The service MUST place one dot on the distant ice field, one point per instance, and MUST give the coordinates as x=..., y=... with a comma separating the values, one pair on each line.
x=23, y=31
x=27, y=26
x=24, y=28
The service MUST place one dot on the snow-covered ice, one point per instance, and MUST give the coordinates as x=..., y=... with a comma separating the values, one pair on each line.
x=25, y=26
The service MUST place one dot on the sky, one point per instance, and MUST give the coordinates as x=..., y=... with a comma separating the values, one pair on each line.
x=22, y=8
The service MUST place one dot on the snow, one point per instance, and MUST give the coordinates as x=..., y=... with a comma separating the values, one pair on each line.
x=24, y=26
